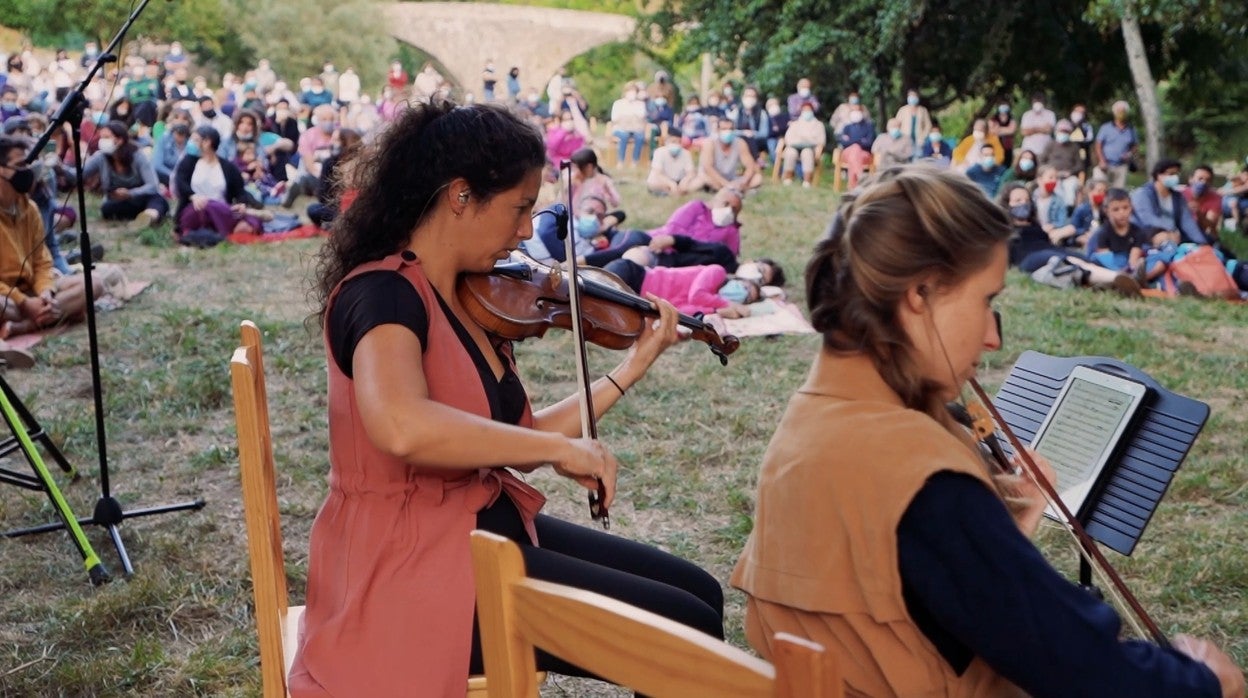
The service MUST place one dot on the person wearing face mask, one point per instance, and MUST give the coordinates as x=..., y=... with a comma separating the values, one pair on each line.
x=778, y=121
x=840, y=115
x=805, y=140
x=892, y=147
x=712, y=223
x=1162, y=211
x=1024, y=169
x=179, y=90
x=1051, y=210
x=9, y=108
x=855, y=141
x=915, y=121
x=144, y=91
x=122, y=172
x=693, y=124
x=726, y=162
x=1082, y=131
x=316, y=94
x=967, y=151
x=628, y=122
x=752, y=122
x=663, y=87
x=563, y=137
x=590, y=180
x=209, y=115
x=660, y=115
x=985, y=172
x=314, y=150
x=1204, y=201
x=282, y=121
x=31, y=295
x=935, y=150
x=1037, y=126
x=1003, y=126
x=212, y=198
x=246, y=130
x=336, y=177
x=672, y=170
x=1090, y=213
x=1064, y=156
x=804, y=95
x=704, y=288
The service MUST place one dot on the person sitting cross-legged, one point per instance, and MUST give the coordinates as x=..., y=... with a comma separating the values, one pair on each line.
x=726, y=161
x=672, y=170
x=212, y=198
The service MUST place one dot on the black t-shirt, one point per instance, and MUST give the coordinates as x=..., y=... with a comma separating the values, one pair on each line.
x=1025, y=240
x=1106, y=239
x=387, y=298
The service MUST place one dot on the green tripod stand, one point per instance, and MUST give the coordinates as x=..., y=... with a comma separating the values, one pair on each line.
x=25, y=430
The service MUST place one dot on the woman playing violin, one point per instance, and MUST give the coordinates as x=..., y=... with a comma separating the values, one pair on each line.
x=879, y=531
x=428, y=422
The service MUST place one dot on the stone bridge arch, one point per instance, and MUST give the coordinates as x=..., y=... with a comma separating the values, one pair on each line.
x=463, y=35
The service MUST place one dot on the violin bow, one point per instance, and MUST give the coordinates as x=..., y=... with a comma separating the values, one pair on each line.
x=1088, y=547
x=589, y=428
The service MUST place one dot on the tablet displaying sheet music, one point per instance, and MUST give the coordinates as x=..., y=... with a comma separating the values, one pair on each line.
x=1078, y=436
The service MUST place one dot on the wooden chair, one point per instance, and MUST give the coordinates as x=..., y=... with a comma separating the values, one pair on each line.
x=777, y=167
x=838, y=169
x=621, y=643
x=276, y=622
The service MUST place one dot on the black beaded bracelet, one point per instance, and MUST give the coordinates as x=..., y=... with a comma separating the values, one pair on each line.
x=617, y=385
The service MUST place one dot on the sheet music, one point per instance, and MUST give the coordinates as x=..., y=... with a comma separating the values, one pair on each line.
x=1082, y=431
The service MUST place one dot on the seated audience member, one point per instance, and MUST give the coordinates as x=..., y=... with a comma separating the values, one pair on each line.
x=1089, y=215
x=805, y=139
x=314, y=150
x=672, y=170
x=562, y=139
x=335, y=177
x=1116, y=147
x=596, y=237
x=283, y=122
x=968, y=153
x=125, y=177
x=588, y=179
x=1121, y=245
x=693, y=125
x=1161, y=210
x=891, y=148
x=168, y=148
x=1024, y=169
x=987, y=173
x=628, y=122
x=31, y=295
x=700, y=289
x=660, y=115
x=316, y=94
x=121, y=110
x=1235, y=198
x=856, y=138
x=778, y=122
x=726, y=162
x=261, y=186
x=1063, y=156
x=209, y=115
x=840, y=115
x=1204, y=201
x=9, y=106
x=752, y=121
x=803, y=95
x=212, y=199
x=1030, y=248
x=246, y=130
x=1051, y=208
x=935, y=150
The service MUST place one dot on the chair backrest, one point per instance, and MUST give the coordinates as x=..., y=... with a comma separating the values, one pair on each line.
x=621, y=643
x=264, y=531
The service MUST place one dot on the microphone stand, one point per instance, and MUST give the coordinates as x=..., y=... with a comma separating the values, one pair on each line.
x=108, y=512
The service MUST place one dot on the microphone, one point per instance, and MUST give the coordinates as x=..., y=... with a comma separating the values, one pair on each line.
x=560, y=213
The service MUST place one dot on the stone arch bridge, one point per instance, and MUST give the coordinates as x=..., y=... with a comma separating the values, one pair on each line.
x=462, y=36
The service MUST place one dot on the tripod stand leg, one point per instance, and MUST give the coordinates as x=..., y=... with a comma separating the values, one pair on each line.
x=95, y=569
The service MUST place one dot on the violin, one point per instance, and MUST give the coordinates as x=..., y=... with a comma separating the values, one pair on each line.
x=983, y=419
x=522, y=299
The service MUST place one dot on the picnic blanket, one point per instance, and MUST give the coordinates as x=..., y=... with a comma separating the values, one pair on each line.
x=768, y=318
x=304, y=231
x=117, y=291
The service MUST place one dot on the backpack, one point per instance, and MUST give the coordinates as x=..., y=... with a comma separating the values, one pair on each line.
x=1204, y=270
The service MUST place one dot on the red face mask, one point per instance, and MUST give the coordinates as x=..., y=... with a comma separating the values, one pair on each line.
x=1097, y=199
x=1050, y=187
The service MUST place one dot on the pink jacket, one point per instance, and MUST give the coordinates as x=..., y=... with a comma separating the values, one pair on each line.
x=690, y=289
x=694, y=220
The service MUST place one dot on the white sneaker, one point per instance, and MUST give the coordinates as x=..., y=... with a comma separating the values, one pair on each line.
x=805, y=185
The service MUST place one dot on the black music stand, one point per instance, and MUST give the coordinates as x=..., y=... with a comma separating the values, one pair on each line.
x=1136, y=478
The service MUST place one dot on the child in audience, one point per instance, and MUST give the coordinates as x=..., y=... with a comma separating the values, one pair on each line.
x=700, y=289
x=588, y=179
x=1121, y=245
x=1089, y=215
x=1051, y=207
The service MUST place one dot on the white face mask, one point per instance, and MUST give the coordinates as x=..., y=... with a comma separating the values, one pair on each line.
x=978, y=135
x=773, y=109
x=722, y=216
x=803, y=91
x=750, y=271
x=1037, y=106
x=749, y=102
x=107, y=146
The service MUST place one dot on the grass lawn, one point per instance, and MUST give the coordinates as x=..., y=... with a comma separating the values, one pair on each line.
x=690, y=437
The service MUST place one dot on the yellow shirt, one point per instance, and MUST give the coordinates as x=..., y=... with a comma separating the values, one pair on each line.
x=25, y=263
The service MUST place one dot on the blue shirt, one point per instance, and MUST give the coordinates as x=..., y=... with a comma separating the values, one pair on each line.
x=977, y=587
x=1148, y=214
x=861, y=134
x=1116, y=142
x=988, y=180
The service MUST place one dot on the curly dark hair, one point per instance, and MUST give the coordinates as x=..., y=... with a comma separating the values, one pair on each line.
x=902, y=227
x=418, y=155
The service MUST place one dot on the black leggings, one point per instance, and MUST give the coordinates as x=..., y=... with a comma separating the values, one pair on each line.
x=622, y=569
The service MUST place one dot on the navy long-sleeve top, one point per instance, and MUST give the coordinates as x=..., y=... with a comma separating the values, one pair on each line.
x=861, y=133
x=977, y=587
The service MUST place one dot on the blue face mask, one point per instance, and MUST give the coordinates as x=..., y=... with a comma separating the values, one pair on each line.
x=1170, y=181
x=1198, y=188
x=895, y=133
x=674, y=149
x=727, y=137
x=192, y=149
x=587, y=225
x=734, y=291
x=853, y=100
x=988, y=162
x=1026, y=165
x=1022, y=211
x=912, y=101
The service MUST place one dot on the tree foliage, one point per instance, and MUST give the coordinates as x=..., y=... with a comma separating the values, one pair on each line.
x=954, y=49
